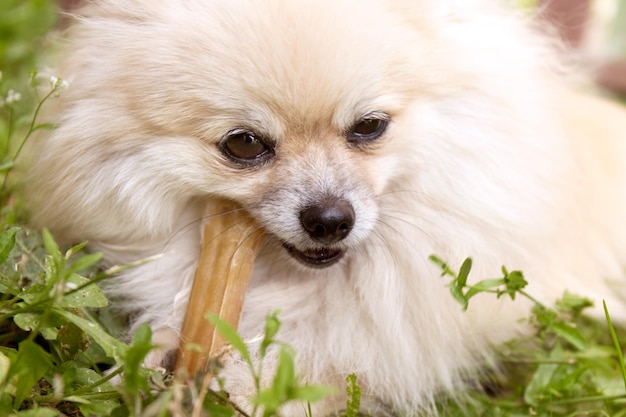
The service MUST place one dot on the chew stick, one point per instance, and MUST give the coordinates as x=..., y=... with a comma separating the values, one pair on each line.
x=230, y=242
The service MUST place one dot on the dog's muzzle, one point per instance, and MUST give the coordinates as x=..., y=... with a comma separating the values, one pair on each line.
x=315, y=258
x=327, y=223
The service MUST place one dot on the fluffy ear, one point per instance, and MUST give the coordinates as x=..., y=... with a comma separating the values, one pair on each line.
x=70, y=5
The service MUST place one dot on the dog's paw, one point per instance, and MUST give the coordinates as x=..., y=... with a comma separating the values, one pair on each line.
x=163, y=356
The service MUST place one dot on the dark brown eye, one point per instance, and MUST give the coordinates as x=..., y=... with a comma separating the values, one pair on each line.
x=368, y=128
x=245, y=146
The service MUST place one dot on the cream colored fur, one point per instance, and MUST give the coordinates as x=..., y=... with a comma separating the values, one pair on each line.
x=488, y=154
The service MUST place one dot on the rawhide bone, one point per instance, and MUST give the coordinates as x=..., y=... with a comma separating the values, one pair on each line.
x=230, y=242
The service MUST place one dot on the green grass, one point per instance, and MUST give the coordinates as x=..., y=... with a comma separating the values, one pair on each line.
x=570, y=366
x=59, y=350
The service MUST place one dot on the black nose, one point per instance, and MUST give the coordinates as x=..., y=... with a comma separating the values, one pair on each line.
x=329, y=221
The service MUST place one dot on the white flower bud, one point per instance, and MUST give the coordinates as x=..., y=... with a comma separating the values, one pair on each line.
x=13, y=97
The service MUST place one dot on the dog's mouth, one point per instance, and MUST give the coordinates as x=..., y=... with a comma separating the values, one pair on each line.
x=316, y=258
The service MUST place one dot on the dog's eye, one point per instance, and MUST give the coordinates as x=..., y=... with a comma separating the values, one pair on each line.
x=368, y=128
x=244, y=146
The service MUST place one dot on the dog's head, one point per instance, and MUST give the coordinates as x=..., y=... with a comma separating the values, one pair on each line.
x=288, y=108
x=299, y=113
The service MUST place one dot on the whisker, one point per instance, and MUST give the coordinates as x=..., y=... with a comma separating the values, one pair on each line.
x=254, y=235
x=199, y=222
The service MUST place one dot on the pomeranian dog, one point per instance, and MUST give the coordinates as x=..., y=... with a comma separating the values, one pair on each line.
x=363, y=136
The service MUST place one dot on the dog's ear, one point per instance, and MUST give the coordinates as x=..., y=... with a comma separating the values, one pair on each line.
x=70, y=5
x=67, y=9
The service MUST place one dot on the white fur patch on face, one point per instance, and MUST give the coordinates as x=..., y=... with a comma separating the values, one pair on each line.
x=316, y=176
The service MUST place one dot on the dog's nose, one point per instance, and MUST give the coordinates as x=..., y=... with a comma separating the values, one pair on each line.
x=329, y=221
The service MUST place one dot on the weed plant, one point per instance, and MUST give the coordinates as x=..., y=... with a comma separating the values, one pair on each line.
x=571, y=365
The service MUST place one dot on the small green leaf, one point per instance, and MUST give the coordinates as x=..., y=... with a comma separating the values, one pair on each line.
x=571, y=334
x=6, y=403
x=52, y=247
x=445, y=269
x=573, y=303
x=484, y=285
x=27, y=321
x=268, y=400
x=121, y=411
x=217, y=410
x=5, y=363
x=230, y=335
x=31, y=363
x=515, y=282
x=7, y=242
x=281, y=389
x=539, y=384
x=272, y=325
x=49, y=333
x=111, y=346
x=71, y=341
x=76, y=377
x=89, y=295
x=285, y=374
x=51, y=271
x=134, y=358
x=571, y=376
x=74, y=250
x=464, y=272
x=5, y=166
x=76, y=399
x=39, y=412
x=99, y=408
x=34, y=293
x=437, y=261
x=84, y=262
x=311, y=393
x=8, y=288
x=46, y=126
x=457, y=293
x=544, y=316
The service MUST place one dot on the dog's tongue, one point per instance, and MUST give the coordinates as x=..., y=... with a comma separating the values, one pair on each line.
x=230, y=243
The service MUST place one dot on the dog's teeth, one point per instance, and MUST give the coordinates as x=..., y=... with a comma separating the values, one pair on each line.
x=316, y=258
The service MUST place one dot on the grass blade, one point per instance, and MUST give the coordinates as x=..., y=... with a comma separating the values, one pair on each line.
x=618, y=348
